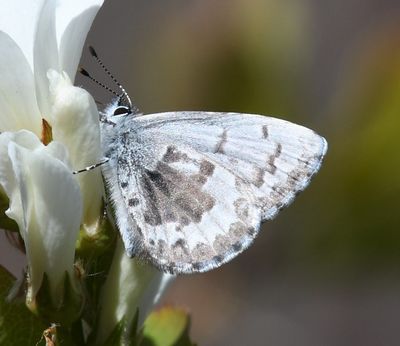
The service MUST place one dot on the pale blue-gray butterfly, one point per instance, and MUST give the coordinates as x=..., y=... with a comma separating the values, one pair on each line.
x=190, y=189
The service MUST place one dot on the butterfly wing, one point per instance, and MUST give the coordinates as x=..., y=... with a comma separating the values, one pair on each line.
x=192, y=188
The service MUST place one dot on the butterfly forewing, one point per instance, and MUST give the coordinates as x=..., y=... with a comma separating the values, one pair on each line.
x=191, y=188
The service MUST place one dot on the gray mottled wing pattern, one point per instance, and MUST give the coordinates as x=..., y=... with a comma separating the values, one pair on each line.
x=195, y=186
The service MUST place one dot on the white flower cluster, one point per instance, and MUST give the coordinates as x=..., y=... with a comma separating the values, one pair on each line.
x=40, y=46
x=48, y=129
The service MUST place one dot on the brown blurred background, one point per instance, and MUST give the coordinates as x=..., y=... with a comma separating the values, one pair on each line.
x=326, y=271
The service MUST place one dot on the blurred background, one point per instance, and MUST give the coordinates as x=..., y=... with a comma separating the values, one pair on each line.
x=326, y=270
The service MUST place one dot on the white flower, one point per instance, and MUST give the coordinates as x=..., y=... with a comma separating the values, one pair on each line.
x=40, y=47
x=132, y=286
x=46, y=203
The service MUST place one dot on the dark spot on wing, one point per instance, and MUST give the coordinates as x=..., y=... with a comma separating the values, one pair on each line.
x=280, y=191
x=159, y=181
x=169, y=215
x=162, y=247
x=152, y=218
x=180, y=242
x=218, y=259
x=208, y=203
x=170, y=155
x=251, y=231
x=180, y=248
x=206, y=168
x=265, y=131
x=172, y=196
x=295, y=176
x=271, y=161
x=173, y=155
x=124, y=185
x=199, y=179
x=185, y=220
x=151, y=215
x=278, y=151
x=197, y=266
x=219, y=148
x=237, y=247
x=190, y=207
x=259, y=177
x=133, y=202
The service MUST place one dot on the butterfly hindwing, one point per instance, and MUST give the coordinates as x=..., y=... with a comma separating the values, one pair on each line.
x=192, y=188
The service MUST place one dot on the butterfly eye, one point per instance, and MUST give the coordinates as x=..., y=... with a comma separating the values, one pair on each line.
x=122, y=110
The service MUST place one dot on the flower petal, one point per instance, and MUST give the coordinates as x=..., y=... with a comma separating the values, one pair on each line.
x=45, y=54
x=60, y=34
x=75, y=123
x=18, y=108
x=51, y=212
x=74, y=19
x=7, y=178
x=131, y=285
x=18, y=19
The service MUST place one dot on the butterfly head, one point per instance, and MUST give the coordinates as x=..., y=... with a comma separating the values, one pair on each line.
x=122, y=104
x=116, y=110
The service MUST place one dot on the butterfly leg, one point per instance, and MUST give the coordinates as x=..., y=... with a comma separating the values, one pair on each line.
x=89, y=168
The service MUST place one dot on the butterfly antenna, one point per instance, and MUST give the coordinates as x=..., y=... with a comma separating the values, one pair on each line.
x=86, y=74
x=124, y=93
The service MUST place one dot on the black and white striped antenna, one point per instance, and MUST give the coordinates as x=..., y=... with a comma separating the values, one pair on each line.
x=88, y=75
x=124, y=93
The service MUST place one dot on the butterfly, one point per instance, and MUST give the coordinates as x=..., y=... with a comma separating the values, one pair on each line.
x=190, y=190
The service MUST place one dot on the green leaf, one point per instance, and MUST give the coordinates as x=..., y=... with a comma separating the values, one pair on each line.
x=18, y=325
x=167, y=326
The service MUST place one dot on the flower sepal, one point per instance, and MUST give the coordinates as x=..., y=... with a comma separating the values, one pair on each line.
x=97, y=241
x=66, y=310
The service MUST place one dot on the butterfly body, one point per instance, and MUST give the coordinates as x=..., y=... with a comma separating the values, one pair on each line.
x=190, y=189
